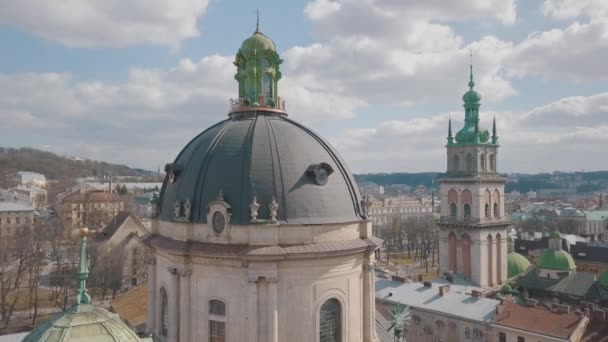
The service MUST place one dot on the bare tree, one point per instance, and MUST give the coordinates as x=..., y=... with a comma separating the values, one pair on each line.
x=14, y=256
x=411, y=234
x=428, y=239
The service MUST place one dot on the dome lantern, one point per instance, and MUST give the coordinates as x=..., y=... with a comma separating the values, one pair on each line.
x=258, y=73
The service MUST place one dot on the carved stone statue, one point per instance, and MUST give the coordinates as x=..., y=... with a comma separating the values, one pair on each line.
x=273, y=207
x=177, y=209
x=188, y=210
x=401, y=318
x=253, y=207
x=365, y=206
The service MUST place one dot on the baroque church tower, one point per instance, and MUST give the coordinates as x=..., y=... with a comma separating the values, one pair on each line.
x=473, y=226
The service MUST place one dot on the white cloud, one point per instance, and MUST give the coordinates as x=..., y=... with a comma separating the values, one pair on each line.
x=536, y=140
x=154, y=112
x=107, y=23
x=575, y=53
x=319, y=9
x=569, y=9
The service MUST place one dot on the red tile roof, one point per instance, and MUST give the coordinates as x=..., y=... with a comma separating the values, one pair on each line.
x=537, y=320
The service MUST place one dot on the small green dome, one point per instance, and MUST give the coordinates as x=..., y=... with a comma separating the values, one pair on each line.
x=257, y=42
x=516, y=264
x=554, y=235
x=603, y=279
x=505, y=288
x=556, y=260
x=83, y=322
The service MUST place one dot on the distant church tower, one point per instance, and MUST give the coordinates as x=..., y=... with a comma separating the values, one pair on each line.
x=473, y=226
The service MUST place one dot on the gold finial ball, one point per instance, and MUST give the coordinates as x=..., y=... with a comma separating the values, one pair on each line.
x=84, y=231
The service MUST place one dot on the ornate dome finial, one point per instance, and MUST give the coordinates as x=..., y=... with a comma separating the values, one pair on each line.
x=257, y=23
x=471, y=82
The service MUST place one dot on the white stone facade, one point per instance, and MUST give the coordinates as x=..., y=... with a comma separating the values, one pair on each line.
x=268, y=295
x=473, y=213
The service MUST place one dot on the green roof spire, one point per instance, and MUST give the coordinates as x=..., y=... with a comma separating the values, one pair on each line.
x=494, y=136
x=450, y=138
x=257, y=23
x=471, y=82
x=83, y=270
x=471, y=133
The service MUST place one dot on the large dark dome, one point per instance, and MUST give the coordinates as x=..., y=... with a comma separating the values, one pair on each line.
x=262, y=154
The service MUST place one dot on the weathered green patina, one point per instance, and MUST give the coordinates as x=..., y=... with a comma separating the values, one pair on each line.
x=471, y=133
x=84, y=321
x=516, y=264
x=558, y=260
x=258, y=73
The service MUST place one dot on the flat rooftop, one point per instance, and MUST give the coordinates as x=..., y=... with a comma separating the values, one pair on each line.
x=457, y=302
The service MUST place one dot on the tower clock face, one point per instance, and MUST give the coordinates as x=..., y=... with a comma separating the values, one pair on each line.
x=219, y=222
x=265, y=63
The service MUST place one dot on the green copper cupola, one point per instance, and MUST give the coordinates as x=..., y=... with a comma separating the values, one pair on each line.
x=258, y=72
x=471, y=133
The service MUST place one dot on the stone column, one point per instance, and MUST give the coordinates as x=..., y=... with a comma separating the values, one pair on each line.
x=184, y=306
x=252, y=308
x=273, y=310
x=173, y=298
x=369, y=303
x=152, y=316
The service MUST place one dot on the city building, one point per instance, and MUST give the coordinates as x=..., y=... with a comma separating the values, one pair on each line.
x=439, y=311
x=473, y=225
x=84, y=321
x=516, y=323
x=555, y=280
x=384, y=211
x=32, y=179
x=596, y=225
x=93, y=209
x=123, y=236
x=16, y=214
x=261, y=232
x=37, y=196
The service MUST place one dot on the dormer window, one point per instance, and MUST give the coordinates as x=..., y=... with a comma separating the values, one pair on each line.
x=320, y=173
x=173, y=171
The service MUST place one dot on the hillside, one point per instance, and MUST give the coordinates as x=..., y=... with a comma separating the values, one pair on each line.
x=56, y=167
x=582, y=182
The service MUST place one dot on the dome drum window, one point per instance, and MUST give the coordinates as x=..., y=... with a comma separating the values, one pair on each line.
x=320, y=173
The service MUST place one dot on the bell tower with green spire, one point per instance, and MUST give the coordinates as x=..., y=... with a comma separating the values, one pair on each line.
x=473, y=225
x=258, y=72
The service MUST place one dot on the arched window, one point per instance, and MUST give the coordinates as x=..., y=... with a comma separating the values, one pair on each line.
x=466, y=256
x=452, y=252
x=496, y=213
x=453, y=210
x=487, y=198
x=483, y=162
x=330, y=321
x=455, y=163
x=267, y=87
x=470, y=163
x=498, y=259
x=164, y=313
x=493, y=162
x=490, y=263
x=467, y=211
x=217, y=321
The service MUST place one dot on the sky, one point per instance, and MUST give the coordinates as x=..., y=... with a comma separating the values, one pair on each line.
x=132, y=81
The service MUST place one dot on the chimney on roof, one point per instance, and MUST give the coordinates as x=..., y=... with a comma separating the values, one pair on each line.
x=427, y=284
x=476, y=294
x=443, y=290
